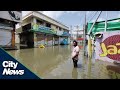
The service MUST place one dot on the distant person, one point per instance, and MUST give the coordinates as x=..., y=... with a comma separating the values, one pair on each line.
x=75, y=53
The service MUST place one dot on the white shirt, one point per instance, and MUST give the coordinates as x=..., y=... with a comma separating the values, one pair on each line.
x=75, y=51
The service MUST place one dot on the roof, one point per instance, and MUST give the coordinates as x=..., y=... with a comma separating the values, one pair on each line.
x=34, y=14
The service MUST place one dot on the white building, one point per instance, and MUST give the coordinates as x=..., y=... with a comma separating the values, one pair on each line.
x=45, y=30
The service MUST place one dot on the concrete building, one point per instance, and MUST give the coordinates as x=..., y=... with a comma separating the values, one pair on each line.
x=8, y=20
x=38, y=29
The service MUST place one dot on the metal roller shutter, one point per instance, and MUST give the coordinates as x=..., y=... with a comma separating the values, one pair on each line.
x=5, y=37
x=40, y=39
x=50, y=40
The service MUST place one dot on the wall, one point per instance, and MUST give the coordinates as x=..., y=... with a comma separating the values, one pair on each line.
x=108, y=48
x=38, y=39
x=59, y=32
x=50, y=20
x=53, y=27
x=25, y=22
x=17, y=39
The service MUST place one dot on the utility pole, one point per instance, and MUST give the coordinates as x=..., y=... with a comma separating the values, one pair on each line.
x=106, y=22
x=84, y=29
x=77, y=27
x=89, y=40
x=71, y=32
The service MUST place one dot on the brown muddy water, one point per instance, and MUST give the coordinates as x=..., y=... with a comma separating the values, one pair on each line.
x=55, y=63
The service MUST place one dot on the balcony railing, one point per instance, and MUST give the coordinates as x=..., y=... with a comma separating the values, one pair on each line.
x=41, y=28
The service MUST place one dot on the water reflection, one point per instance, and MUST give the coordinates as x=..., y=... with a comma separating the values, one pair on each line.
x=89, y=68
x=113, y=71
x=74, y=73
x=55, y=62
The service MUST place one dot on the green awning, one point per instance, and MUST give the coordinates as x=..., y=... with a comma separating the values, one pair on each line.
x=112, y=25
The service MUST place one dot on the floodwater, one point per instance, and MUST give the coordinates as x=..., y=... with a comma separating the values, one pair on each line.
x=55, y=63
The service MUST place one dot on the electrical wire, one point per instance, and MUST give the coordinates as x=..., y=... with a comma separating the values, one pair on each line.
x=93, y=16
x=91, y=13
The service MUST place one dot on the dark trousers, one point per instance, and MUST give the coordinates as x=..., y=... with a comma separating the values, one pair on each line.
x=75, y=62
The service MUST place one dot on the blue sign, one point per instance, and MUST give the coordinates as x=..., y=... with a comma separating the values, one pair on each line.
x=66, y=34
x=44, y=28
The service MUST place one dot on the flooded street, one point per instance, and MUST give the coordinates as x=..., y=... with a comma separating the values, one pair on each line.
x=55, y=63
x=43, y=41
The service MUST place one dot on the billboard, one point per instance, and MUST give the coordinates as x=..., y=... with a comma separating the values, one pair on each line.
x=15, y=16
x=108, y=48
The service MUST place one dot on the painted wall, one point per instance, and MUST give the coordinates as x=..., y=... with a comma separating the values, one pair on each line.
x=108, y=48
x=17, y=39
x=49, y=40
x=56, y=40
x=38, y=39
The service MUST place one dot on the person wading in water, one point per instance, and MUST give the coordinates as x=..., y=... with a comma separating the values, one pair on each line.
x=75, y=53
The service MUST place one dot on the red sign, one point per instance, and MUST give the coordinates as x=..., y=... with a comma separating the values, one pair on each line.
x=111, y=47
x=80, y=39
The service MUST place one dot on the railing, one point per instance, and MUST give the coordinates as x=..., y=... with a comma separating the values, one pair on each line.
x=42, y=28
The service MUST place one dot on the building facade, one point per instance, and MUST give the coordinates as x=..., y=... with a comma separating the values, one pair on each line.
x=8, y=20
x=39, y=29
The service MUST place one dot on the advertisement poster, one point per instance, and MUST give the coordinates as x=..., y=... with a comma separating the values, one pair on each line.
x=108, y=49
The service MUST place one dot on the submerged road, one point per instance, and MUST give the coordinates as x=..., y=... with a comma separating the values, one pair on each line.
x=55, y=63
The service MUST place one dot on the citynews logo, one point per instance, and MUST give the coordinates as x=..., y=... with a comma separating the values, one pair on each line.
x=10, y=68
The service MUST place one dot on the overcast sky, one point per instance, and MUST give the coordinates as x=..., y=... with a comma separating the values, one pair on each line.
x=75, y=18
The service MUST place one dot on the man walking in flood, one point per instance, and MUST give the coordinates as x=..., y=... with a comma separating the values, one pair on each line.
x=75, y=53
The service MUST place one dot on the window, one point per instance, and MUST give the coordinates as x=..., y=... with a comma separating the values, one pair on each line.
x=39, y=22
x=60, y=29
x=56, y=27
x=26, y=27
x=48, y=25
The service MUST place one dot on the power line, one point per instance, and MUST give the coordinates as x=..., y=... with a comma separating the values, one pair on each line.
x=90, y=15
x=82, y=15
x=93, y=16
x=94, y=22
x=82, y=20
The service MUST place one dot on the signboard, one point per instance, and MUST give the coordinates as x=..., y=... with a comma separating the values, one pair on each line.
x=108, y=48
x=15, y=16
